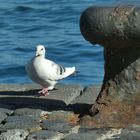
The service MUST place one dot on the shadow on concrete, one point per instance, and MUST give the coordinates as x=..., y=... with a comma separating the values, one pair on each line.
x=80, y=108
x=19, y=93
x=28, y=99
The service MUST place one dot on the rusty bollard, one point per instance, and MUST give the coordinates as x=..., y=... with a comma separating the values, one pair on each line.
x=117, y=29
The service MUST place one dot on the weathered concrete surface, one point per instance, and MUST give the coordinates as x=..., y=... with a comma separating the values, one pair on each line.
x=44, y=135
x=2, y=116
x=28, y=121
x=14, y=134
x=83, y=103
x=42, y=117
x=118, y=30
x=71, y=92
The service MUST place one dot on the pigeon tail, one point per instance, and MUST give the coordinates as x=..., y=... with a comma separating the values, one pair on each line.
x=69, y=71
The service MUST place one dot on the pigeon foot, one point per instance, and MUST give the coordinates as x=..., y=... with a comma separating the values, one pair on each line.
x=43, y=92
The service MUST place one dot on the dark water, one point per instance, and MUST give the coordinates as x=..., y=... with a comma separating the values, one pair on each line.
x=55, y=24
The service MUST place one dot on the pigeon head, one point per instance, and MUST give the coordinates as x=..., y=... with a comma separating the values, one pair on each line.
x=40, y=50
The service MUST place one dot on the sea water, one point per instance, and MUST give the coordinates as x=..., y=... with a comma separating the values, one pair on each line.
x=54, y=24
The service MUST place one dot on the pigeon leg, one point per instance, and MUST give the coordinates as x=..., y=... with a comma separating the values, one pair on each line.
x=43, y=92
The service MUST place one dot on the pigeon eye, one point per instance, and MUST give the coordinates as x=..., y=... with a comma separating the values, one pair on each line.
x=42, y=49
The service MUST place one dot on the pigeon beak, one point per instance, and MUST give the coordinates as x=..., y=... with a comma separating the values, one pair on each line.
x=37, y=53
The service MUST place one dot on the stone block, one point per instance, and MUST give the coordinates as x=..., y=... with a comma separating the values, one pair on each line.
x=14, y=134
x=45, y=135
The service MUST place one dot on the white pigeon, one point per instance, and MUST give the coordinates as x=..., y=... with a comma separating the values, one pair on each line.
x=46, y=72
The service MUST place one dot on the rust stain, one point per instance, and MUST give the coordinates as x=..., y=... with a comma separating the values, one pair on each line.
x=122, y=12
x=37, y=128
x=73, y=119
x=117, y=114
x=44, y=117
x=138, y=75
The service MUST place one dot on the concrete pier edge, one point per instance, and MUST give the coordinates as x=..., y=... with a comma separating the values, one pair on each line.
x=24, y=116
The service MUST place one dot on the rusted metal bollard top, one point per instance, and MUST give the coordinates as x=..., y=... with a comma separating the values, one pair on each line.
x=113, y=27
x=117, y=29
